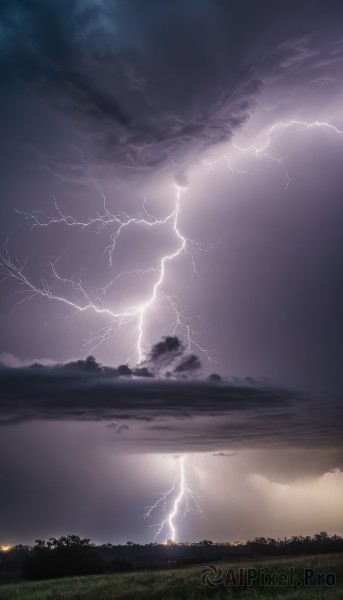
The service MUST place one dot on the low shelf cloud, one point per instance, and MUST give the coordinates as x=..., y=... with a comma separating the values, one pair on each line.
x=168, y=412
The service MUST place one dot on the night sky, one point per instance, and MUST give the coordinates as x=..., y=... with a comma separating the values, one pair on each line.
x=171, y=205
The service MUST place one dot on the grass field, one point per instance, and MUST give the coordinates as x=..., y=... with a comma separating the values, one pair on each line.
x=175, y=583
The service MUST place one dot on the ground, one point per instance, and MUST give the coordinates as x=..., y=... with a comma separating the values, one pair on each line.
x=186, y=583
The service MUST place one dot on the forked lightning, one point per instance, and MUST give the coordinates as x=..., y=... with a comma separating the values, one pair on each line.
x=79, y=300
x=179, y=499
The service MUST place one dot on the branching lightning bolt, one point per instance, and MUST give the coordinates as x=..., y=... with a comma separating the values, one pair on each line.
x=264, y=150
x=178, y=499
x=73, y=294
x=79, y=300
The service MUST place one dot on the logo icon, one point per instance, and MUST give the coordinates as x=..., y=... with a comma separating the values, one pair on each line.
x=212, y=576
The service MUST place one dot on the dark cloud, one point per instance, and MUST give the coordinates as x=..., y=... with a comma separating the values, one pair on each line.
x=190, y=413
x=118, y=428
x=46, y=47
x=157, y=84
x=124, y=370
x=226, y=454
x=142, y=372
x=129, y=90
x=188, y=364
x=89, y=364
x=169, y=346
x=214, y=377
x=159, y=79
x=164, y=353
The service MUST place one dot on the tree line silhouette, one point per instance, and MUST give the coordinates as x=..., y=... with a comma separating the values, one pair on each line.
x=71, y=555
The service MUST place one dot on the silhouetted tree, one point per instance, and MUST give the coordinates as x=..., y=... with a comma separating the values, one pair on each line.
x=206, y=543
x=62, y=557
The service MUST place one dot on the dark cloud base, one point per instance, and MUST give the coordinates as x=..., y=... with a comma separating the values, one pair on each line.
x=198, y=414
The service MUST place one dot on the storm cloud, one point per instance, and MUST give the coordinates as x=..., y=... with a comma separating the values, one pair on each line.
x=155, y=85
x=105, y=105
x=193, y=414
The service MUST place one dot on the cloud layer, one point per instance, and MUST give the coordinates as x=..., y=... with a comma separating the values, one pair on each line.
x=171, y=414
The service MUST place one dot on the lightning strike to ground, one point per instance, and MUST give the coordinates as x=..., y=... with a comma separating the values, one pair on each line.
x=178, y=500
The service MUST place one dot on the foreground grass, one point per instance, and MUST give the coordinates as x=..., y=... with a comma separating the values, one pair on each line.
x=174, y=584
